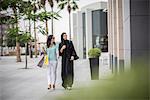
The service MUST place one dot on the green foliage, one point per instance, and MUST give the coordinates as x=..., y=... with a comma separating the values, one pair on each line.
x=55, y=15
x=62, y=4
x=30, y=8
x=11, y=42
x=3, y=5
x=51, y=2
x=74, y=5
x=71, y=4
x=34, y=17
x=43, y=16
x=13, y=36
x=24, y=37
x=13, y=32
x=14, y=4
x=7, y=20
x=94, y=53
x=18, y=7
x=129, y=85
x=42, y=30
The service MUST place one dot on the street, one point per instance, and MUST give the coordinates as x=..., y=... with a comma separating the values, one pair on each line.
x=17, y=83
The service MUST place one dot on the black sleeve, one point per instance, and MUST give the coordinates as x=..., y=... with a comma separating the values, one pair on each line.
x=60, y=46
x=72, y=49
x=74, y=52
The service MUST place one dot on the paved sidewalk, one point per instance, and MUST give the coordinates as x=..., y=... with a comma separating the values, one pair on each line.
x=17, y=83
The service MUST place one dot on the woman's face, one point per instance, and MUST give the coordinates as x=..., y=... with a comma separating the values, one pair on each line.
x=65, y=36
x=53, y=39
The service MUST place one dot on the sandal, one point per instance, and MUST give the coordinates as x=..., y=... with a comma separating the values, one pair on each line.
x=49, y=87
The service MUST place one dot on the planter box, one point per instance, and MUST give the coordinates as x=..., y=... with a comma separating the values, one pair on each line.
x=94, y=68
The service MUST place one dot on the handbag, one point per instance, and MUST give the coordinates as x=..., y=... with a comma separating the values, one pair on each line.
x=41, y=62
x=76, y=57
x=46, y=60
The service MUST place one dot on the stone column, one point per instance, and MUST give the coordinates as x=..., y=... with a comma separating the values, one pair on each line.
x=110, y=35
x=114, y=33
x=119, y=20
x=74, y=30
x=79, y=34
x=88, y=18
x=126, y=34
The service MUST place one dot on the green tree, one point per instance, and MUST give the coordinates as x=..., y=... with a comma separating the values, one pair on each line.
x=45, y=16
x=42, y=30
x=30, y=11
x=17, y=7
x=51, y=3
x=3, y=19
x=71, y=5
x=28, y=16
x=23, y=36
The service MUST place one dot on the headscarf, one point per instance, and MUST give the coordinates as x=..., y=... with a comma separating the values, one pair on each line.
x=62, y=39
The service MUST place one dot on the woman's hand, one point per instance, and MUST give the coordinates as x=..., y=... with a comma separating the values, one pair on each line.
x=72, y=58
x=62, y=48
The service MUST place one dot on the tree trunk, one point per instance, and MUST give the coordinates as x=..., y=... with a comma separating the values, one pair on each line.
x=35, y=41
x=2, y=46
x=18, y=52
x=52, y=24
x=30, y=52
x=26, y=60
x=1, y=40
x=46, y=28
x=69, y=11
x=70, y=25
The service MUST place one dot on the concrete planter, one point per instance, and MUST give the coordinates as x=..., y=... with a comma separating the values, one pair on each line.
x=94, y=68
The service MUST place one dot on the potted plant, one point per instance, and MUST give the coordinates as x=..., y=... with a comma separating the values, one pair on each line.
x=94, y=55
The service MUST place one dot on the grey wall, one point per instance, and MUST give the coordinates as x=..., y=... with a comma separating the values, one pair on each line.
x=139, y=14
x=137, y=39
x=149, y=32
x=139, y=27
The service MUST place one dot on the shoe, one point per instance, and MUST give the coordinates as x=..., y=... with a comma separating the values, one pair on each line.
x=54, y=87
x=65, y=87
x=69, y=88
x=49, y=87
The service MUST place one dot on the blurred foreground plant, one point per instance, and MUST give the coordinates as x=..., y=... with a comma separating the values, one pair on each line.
x=131, y=85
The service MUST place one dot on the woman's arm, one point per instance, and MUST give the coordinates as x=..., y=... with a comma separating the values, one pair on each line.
x=73, y=49
x=73, y=54
x=59, y=49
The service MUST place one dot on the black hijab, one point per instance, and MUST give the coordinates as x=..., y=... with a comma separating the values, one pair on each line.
x=62, y=39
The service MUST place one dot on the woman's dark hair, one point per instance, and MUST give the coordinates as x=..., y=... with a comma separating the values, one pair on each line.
x=62, y=39
x=49, y=39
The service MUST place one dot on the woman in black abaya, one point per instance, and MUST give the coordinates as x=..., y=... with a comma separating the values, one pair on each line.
x=68, y=53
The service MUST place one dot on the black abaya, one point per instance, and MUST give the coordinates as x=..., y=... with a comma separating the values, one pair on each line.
x=67, y=72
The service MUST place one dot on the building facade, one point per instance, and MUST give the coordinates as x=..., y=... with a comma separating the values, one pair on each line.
x=3, y=28
x=128, y=33
x=89, y=28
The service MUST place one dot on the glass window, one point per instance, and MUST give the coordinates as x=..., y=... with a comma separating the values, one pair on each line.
x=99, y=29
x=84, y=35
